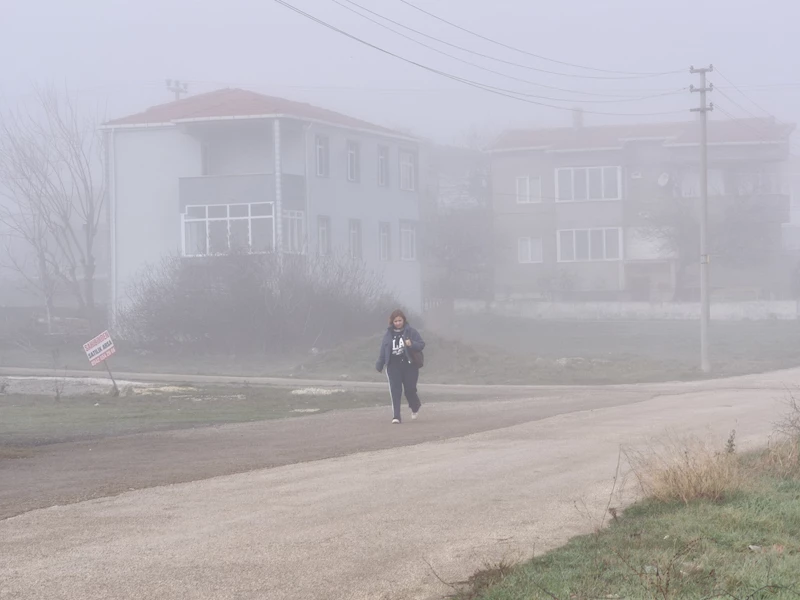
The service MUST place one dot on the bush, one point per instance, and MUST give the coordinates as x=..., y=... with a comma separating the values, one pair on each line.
x=236, y=303
x=687, y=469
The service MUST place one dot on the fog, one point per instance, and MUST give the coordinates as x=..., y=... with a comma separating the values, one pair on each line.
x=119, y=54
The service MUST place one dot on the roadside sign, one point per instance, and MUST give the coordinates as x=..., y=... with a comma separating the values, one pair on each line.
x=100, y=348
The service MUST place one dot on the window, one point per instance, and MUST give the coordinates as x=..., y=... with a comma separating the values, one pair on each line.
x=689, y=184
x=408, y=241
x=323, y=156
x=293, y=231
x=589, y=183
x=529, y=250
x=323, y=236
x=589, y=244
x=353, y=162
x=355, y=239
x=223, y=228
x=383, y=166
x=384, y=242
x=408, y=171
x=529, y=190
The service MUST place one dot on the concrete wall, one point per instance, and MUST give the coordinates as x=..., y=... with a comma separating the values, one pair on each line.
x=611, y=311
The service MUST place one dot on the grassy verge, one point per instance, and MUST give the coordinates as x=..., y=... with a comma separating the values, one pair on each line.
x=715, y=525
x=30, y=420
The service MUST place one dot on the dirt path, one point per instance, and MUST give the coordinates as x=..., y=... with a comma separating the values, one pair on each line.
x=361, y=526
x=76, y=471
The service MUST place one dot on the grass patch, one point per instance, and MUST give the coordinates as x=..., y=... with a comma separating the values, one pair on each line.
x=30, y=420
x=747, y=546
x=714, y=525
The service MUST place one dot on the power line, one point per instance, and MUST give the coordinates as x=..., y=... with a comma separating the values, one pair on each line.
x=470, y=51
x=495, y=90
x=738, y=89
x=760, y=132
x=622, y=74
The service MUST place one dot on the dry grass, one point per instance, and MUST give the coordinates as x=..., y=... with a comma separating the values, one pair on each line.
x=782, y=457
x=686, y=469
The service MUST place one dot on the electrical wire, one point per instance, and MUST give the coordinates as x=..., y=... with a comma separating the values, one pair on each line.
x=495, y=90
x=477, y=66
x=622, y=74
x=468, y=50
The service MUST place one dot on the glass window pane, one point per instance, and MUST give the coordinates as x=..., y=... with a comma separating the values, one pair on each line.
x=611, y=183
x=239, y=210
x=195, y=212
x=612, y=244
x=565, y=184
x=522, y=189
x=595, y=184
x=535, y=189
x=596, y=236
x=565, y=245
x=240, y=235
x=524, y=250
x=217, y=212
x=582, y=245
x=581, y=184
x=261, y=232
x=261, y=210
x=218, y=237
x=195, y=232
x=536, y=250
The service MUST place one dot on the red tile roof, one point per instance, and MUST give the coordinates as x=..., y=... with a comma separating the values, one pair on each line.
x=571, y=138
x=240, y=103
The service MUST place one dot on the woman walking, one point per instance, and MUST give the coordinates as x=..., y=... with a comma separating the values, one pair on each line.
x=401, y=351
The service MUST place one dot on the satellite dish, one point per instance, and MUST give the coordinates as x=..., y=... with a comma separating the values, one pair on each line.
x=663, y=179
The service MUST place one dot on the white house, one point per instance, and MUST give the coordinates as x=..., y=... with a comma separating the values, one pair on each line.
x=210, y=173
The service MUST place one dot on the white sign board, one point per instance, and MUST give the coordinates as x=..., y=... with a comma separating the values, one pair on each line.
x=100, y=348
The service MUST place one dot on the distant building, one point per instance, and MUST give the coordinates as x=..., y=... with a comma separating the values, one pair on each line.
x=236, y=170
x=577, y=209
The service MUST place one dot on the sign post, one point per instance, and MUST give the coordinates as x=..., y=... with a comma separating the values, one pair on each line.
x=98, y=350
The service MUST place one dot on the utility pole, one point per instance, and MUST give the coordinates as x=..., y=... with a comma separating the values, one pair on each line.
x=705, y=301
x=178, y=88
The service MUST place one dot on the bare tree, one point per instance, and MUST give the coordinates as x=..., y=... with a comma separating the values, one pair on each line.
x=52, y=172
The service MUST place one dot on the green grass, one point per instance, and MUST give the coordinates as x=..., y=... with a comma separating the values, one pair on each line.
x=30, y=420
x=745, y=547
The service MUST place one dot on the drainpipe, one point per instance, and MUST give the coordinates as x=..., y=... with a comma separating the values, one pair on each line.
x=111, y=157
x=306, y=183
x=277, y=221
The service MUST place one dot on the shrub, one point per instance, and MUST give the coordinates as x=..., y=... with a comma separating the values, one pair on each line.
x=240, y=302
x=686, y=469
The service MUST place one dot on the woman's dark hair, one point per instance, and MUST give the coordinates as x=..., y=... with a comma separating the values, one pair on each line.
x=398, y=313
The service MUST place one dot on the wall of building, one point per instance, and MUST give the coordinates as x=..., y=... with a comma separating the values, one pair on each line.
x=609, y=311
x=341, y=200
x=146, y=167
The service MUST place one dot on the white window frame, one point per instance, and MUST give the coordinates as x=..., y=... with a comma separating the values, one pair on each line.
x=602, y=168
x=605, y=230
x=323, y=150
x=185, y=219
x=294, y=232
x=355, y=239
x=353, y=161
x=408, y=241
x=384, y=241
x=526, y=257
x=525, y=195
x=323, y=235
x=383, y=166
x=408, y=170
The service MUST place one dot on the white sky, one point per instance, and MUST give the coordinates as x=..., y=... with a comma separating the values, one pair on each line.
x=117, y=54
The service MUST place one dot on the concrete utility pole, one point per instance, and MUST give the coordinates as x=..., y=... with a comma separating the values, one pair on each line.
x=178, y=88
x=705, y=301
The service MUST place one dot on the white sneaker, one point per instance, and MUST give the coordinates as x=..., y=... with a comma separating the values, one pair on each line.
x=396, y=421
x=414, y=416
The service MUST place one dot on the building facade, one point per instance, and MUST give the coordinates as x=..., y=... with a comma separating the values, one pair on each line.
x=234, y=170
x=594, y=213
